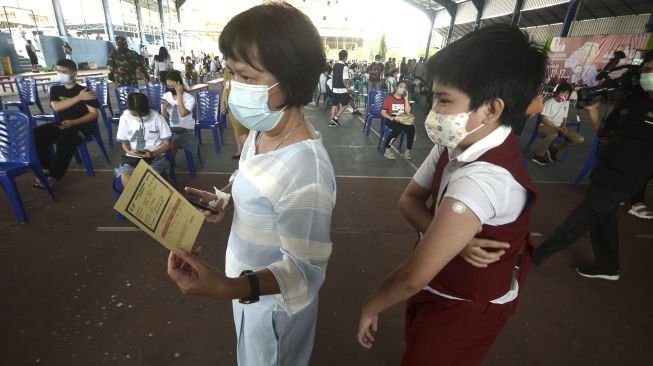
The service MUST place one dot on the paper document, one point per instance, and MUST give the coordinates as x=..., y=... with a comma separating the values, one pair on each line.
x=152, y=204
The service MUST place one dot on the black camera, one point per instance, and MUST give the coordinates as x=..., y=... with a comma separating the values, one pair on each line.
x=611, y=89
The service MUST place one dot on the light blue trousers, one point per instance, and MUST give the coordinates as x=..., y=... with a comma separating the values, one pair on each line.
x=268, y=336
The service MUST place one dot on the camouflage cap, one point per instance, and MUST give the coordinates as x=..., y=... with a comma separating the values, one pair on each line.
x=121, y=40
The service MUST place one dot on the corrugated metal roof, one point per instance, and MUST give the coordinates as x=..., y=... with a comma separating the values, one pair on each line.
x=616, y=25
x=496, y=8
x=466, y=13
x=538, y=4
x=542, y=33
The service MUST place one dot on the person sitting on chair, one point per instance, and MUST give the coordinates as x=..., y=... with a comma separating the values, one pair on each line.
x=554, y=124
x=177, y=105
x=78, y=112
x=144, y=135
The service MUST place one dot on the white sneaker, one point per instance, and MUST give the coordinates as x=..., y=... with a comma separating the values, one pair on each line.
x=389, y=155
x=641, y=211
x=408, y=155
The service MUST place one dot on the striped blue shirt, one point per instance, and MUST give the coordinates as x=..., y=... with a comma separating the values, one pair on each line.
x=283, y=202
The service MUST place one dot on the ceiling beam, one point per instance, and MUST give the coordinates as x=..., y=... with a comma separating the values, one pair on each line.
x=449, y=5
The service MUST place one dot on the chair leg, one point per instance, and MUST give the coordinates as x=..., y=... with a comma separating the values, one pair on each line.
x=98, y=139
x=191, y=164
x=9, y=184
x=117, y=189
x=86, y=159
x=216, y=139
x=199, y=156
x=109, y=128
x=589, y=163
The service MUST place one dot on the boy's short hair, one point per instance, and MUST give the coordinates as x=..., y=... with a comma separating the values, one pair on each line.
x=69, y=65
x=342, y=55
x=286, y=42
x=498, y=61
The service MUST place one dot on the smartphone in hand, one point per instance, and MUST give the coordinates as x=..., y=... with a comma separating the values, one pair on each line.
x=199, y=204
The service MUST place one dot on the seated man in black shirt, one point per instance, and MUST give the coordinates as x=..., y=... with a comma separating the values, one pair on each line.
x=624, y=164
x=78, y=113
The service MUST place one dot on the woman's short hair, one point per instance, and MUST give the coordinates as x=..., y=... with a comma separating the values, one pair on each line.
x=286, y=43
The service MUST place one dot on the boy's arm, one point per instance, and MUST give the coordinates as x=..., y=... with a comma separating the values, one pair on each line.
x=412, y=205
x=452, y=228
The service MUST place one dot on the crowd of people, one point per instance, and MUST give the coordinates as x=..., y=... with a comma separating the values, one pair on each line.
x=470, y=200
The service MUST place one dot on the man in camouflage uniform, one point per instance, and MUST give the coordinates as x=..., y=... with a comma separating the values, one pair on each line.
x=125, y=65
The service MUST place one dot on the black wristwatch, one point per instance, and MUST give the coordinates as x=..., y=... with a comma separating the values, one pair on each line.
x=253, y=284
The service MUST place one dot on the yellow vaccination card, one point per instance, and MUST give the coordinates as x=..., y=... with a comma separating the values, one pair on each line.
x=152, y=204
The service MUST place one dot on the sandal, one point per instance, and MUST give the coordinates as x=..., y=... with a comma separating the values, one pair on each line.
x=51, y=181
x=641, y=211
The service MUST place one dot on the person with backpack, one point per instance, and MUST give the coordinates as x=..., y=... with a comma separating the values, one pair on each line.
x=375, y=71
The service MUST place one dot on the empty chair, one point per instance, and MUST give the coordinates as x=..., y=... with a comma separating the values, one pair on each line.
x=17, y=157
x=28, y=95
x=154, y=93
x=100, y=87
x=375, y=100
x=207, y=115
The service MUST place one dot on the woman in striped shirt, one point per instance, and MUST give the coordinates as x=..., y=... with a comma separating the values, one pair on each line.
x=284, y=191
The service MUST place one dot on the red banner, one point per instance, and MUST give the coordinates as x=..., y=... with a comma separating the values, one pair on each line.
x=579, y=59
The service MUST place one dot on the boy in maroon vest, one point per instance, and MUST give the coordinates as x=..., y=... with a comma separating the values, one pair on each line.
x=484, y=84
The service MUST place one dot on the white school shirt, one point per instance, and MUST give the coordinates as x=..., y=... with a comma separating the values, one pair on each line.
x=283, y=201
x=489, y=190
x=556, y=111
x=148, y=135
x=186, y=121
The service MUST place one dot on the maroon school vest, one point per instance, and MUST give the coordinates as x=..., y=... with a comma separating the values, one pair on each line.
x=459, y=278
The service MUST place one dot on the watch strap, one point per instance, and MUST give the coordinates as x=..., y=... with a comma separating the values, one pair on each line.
x=254, y=288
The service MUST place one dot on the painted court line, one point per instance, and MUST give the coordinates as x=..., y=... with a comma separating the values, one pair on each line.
x=117, y=229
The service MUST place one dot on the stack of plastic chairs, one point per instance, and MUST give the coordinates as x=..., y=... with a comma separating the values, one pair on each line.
x=207, y=116
x=18, y=156
x=375, y=100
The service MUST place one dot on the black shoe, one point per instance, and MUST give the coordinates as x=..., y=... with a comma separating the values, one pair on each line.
x=334, y=123
x=539, y=160
x=595, y=272
x=552, y=153
x=357, y=113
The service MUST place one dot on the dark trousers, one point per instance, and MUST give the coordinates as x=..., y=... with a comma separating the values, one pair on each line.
x=638, y=195
x=596, y=213
x=66, y=142
x=396, y=130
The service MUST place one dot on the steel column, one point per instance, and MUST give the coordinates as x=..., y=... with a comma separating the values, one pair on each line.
x=164, y=37
x=107, y=19
x=58, y=16
x=516, y=14
x=139, y=18
x=572, y=10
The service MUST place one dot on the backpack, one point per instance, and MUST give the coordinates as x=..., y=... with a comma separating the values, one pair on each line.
x=375, y=70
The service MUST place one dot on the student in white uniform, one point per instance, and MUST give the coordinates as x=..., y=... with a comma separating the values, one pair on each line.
x=144, y=135
x=177, y=108
x=283, y=192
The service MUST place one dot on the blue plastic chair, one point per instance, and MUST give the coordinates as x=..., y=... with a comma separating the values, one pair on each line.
x=207, y=116
x=375, y=100
x=82, y=155
x=28, y=95
x=590, y=162
x=154, y=93
x=122, y=93
x=385, y=136
x=100, y=87
x=559, y=140
x=18, y=156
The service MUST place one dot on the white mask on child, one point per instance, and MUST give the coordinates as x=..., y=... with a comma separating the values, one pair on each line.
x=448, y=130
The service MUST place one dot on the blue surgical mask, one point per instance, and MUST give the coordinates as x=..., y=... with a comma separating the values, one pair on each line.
x=63, y=78
x=249, y=104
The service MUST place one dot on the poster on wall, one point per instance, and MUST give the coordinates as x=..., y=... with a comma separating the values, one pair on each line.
x=579, y=59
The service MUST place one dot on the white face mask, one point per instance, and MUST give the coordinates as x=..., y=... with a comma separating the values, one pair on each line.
x=63, y=78
x=646, y=81
x=401, y=91
x=249, y=104
x=448, y=130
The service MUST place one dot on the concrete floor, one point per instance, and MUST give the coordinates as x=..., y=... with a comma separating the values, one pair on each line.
x=78, y=291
